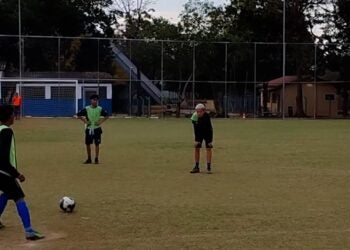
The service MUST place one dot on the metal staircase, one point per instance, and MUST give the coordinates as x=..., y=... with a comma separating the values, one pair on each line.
x=130, y=68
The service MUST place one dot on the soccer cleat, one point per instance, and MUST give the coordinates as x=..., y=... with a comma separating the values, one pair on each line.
x=195, y=170
x=96, y=160
x=88, y=161
x=34, y=235
x=1, y=225
x=209, y=171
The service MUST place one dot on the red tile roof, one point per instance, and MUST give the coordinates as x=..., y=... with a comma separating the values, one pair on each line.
x=279, y=81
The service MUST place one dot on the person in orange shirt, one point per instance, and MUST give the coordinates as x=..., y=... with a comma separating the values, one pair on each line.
x=17, y=102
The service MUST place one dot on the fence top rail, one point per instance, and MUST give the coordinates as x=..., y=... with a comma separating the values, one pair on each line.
x=169, y=40
x=4, y=79
x=88, y=81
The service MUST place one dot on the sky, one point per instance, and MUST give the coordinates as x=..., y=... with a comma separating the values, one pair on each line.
x=170, y=9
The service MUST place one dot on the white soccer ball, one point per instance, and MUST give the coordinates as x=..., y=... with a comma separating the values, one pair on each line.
x=67, y=204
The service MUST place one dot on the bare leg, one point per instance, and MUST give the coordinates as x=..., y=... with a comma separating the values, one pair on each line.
x=196, y=159
x=97, y=151
x=209, y=155
x=88, y=151
x=197, y=155
x=209, y=158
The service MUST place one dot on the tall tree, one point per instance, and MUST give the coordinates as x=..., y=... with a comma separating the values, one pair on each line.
x=337, y=56
x=301, y=18
x=254, y=20
x=52, y=18
x=134, y=14
x=57, y=17
x=196, y=20
x=258, y=20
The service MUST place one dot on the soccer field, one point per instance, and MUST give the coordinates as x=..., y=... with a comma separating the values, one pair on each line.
x=275, y=185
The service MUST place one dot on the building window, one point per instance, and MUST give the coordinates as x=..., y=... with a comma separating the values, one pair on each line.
x=63, y=92
x=33, y=92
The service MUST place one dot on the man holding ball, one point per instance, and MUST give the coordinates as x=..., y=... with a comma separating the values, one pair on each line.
x=203, y=131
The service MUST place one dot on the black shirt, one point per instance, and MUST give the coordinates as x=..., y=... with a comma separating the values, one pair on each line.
x=5, y=147
x=203, y=128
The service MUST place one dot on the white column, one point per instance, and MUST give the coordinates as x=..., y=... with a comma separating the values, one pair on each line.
x=47, y=91
x=109, y=91
x=77, y=95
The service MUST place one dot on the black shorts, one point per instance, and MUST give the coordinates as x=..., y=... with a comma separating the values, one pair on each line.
x=10, y=187
x=93, y=136
x=208, y=142
x=17, y=110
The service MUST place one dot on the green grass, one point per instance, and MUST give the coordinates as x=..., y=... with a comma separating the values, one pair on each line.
x=276, y=185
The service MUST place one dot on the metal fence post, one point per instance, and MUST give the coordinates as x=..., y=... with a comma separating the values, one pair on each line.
x=130, y=68
x=315, y=81
x=255, y=56
x=20, y=38
x=162, y=79
x=284, y=57
x=194, y=75
x=130, y=98
x=225, y=94
x=98, y=65
x=59, y=57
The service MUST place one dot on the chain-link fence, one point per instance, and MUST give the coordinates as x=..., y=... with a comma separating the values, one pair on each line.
x=168, y=78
